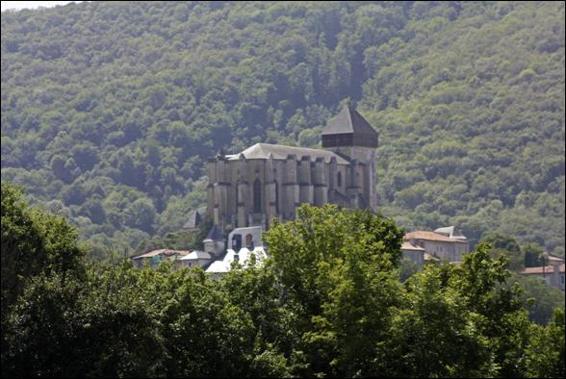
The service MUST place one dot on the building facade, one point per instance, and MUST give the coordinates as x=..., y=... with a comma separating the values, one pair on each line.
x=552, y=274
x=267, y=182
x=444, y=243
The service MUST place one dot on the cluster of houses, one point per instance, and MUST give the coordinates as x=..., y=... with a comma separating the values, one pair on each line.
x=447, y=245
x=246, y=248
x=244, y=245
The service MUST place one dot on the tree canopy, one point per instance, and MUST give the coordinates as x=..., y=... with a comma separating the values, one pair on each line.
x=327, y=303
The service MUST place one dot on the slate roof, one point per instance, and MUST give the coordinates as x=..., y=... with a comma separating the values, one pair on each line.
x=215, y=234
x=348, y=121
x=263, y=150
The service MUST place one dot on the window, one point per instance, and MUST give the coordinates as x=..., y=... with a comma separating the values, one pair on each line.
x=257, y=196
x=339, y=179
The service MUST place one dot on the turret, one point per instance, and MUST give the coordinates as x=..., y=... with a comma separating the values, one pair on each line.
x=350, y=135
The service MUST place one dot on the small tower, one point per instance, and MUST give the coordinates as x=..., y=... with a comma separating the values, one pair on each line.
x=351, y=136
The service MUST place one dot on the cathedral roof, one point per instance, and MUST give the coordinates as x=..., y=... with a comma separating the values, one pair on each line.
x=349, y=121
x=264, y=150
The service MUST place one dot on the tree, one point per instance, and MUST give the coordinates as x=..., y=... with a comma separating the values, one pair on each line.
x=337, y=267
x=32, y=242
x=546, y=352
x=505, y=246
x=99, y=326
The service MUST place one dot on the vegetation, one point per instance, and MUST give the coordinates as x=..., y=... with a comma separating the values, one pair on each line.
x=110, y=109
x=328, y=303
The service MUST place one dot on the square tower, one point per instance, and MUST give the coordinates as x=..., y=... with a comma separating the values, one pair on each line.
x=351, y=136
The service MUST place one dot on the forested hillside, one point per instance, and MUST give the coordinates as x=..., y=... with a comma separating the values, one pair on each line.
x=109, y=110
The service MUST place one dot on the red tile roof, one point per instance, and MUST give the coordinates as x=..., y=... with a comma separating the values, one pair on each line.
x=430, y=236
x=539, y=270
x=552, y=258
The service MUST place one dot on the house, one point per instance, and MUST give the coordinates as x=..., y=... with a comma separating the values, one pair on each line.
x=195, y=259
x=552, y=274
x=416, y=254
x=444, y=243
x=155, y=257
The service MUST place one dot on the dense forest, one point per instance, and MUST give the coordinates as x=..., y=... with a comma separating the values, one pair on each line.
x=327, y=303
x=109, y=110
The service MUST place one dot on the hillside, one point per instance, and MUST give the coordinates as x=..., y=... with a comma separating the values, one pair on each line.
x=110, y=109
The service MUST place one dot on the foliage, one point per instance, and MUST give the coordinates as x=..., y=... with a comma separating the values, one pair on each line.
x=539, y=298
x=546, y=352
x=33, y=242
x=327, y=303
x=112, y=108
x=505, y=246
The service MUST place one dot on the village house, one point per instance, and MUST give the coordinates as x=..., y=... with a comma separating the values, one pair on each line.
x=154, y=257
x=552, y=274
x=443, y=244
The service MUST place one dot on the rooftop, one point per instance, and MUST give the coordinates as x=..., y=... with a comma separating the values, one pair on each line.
x=215, y=234
x=450, y=231
x=267, y=150
x=541, y=269
x=553, y=258
x=195, y=255
x=409, y=246
x=431, y=236
x=165, y=252
x=348, y=121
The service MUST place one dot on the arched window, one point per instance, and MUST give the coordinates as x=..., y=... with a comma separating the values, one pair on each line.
x=257, y=196
x=339, y=179
x=276, y=197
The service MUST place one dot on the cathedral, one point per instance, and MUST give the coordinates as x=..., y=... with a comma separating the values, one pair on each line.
x=266, y=182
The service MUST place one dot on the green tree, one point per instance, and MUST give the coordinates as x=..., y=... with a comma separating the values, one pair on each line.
x=337, y=266
x=546, y=352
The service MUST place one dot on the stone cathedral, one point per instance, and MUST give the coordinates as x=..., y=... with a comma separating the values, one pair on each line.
x=266, y=182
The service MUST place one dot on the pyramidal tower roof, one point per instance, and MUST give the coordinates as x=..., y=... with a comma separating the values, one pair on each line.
x=350, y=122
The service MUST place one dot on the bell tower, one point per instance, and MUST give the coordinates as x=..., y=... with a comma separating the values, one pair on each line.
x=351, y=136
